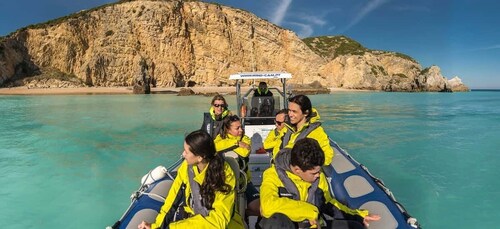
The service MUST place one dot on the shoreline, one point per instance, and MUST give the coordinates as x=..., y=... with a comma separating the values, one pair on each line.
x=23, y=90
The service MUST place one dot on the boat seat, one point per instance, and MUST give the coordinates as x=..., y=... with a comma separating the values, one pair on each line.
x=161, y=189
x=340, y=163
x=147, y=214
x=241, y=182
x=262, y=106
x=387, y=220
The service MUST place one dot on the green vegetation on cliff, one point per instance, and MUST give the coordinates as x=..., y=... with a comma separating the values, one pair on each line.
x=330, y=47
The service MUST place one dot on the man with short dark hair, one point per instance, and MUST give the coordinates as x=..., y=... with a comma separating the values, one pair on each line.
x=295, y=192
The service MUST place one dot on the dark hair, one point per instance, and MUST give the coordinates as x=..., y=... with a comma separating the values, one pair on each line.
x=202, y=144
x=262, y=83
x=219, y=97
x=305, y=105
x=307, y=154
x=226, y=125
x=282, y=111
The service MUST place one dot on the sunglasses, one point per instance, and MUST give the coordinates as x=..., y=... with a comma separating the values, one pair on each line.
x=219, y=105
x=278, y=122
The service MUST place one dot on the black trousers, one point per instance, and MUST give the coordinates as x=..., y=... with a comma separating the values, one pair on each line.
x=281, y=221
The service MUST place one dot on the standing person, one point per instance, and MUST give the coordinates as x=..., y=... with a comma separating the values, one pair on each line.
x=305, y=123
x=295, y=181
x=209, y=189
x=234, y=139
x=274, y=136
x=212, y=121
x=262, y=90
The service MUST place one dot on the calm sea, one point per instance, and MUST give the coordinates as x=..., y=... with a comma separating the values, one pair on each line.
x=73, y=161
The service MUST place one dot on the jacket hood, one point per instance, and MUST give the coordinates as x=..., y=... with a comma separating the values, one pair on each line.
x=282, y=160
x=315, y=115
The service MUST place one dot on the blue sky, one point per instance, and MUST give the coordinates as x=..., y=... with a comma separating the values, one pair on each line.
x=462, y=37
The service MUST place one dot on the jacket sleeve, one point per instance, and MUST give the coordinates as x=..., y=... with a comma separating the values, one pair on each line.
x=223, y=144
x=320, y=136
x=271, y=203
x=220, y=215
x=244, y=152
x=170, y=197
x=349, y=213
x=273, y=139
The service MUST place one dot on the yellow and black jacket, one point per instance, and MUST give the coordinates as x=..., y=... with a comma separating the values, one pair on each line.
x=276, y=198
x=274, y=138
x=314, y=130
x=212, y=124
x=221, y=216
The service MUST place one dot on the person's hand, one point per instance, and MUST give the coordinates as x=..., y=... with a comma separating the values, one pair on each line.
x=144, y=225
x=370, y=218
x=244, y=145
x=314, y=223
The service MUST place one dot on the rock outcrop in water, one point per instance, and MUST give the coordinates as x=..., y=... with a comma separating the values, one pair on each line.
x=191, y=43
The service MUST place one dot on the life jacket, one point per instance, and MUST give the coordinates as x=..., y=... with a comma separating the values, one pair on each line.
x=314, y=194
x=211, y=124
x=176, y=209
x=282, y=164
x=195, y=200
x=303, y=134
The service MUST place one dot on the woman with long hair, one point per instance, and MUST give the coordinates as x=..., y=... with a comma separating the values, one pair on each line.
x=304, y=120
x=209, y=188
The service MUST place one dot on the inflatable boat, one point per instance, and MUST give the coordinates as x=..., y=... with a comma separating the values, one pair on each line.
x=350, y=182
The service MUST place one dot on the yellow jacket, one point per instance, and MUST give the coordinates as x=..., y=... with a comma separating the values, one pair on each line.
x=318, y=134
x=223, y=206
x=230, y=141
x=271, y=203
x=273, y=139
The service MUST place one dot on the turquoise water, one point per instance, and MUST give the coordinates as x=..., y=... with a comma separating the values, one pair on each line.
x=73, y=161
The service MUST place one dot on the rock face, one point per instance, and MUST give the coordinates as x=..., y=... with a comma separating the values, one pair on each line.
x=180, y=43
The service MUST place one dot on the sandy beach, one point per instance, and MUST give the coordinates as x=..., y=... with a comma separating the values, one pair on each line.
x=128, y=90
x=105, y=90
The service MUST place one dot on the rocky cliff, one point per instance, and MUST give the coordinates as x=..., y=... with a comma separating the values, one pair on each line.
x=191, y=43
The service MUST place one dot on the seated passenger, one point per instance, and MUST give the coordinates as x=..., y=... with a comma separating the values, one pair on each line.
x=274, y=136
x=207, y=182
x=262, y=90
x=305, y=123
x=296, y=181
x=212, y=121
x=232, y=138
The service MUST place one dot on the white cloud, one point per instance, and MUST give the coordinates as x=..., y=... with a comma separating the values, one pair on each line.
x=331, y=28
x=412, y=8
x=371, y=6
x=487, y=48
x=492, y=47
x=312, y=19
x=305, y=30
x=280, y=12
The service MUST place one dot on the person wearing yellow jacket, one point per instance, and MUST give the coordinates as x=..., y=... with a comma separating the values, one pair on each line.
x=234, y=139
x=295, y=181
x=305, y=123
x=212, y=120
x=209, y=189
x=274, y=136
